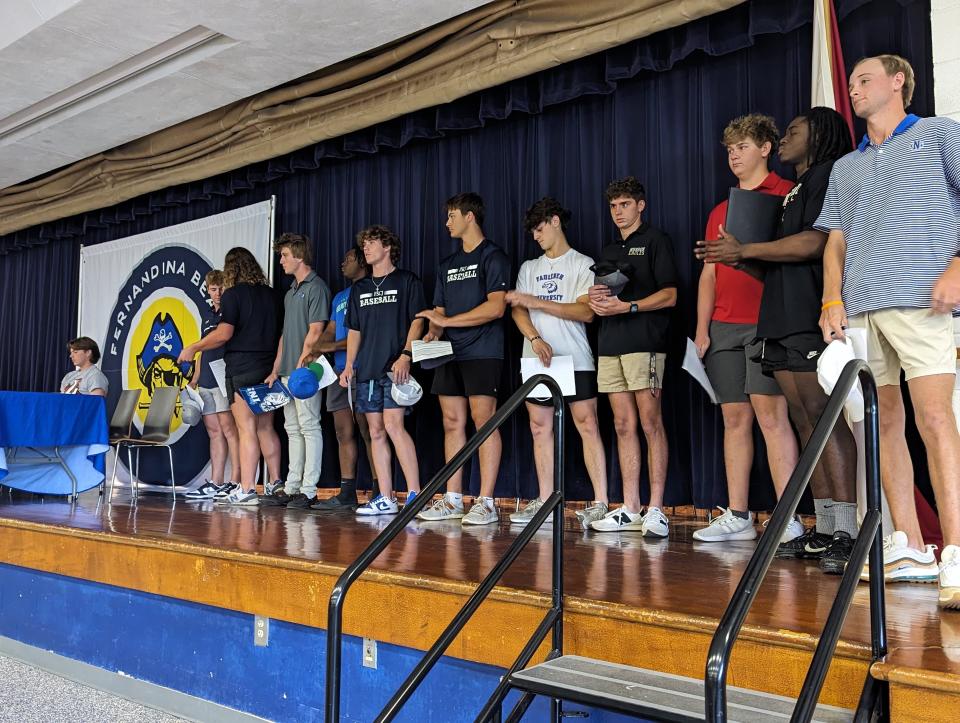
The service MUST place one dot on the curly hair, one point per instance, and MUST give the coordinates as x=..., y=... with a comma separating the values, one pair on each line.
x=298, y=244
x=628, y=186
x=757, y=127
x=543, y=211
x=240, y=267
x=384, y=235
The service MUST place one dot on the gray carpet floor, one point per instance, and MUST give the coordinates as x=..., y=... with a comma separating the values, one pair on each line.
x=31, y=695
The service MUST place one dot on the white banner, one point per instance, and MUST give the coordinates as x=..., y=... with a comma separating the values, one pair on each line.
x=143, y=298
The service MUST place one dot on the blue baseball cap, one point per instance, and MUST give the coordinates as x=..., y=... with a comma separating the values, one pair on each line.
x=303, y=383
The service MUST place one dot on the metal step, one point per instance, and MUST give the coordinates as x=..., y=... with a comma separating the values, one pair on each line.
x=658, y=696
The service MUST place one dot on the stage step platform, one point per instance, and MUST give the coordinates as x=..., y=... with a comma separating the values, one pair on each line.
x=654, y=695
x=648, y=604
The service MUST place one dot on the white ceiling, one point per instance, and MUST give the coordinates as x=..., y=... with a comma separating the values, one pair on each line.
x=81, y=76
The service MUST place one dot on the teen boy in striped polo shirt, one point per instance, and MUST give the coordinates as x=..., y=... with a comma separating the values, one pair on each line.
x=890, y=266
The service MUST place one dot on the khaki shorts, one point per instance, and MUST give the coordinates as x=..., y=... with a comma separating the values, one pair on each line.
x=916, y=340
x=630, y=372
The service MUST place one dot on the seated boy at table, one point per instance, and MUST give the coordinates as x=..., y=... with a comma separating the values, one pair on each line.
x=87, y=377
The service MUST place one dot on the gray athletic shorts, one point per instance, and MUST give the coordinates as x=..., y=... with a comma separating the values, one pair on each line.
x=730, y=363
x=213, y=401
x=337, y=397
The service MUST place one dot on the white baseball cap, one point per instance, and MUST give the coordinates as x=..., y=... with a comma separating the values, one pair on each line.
x=406, y=395
x=191, y=406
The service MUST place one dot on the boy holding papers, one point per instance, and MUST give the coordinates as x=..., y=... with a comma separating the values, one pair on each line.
x=551, y=309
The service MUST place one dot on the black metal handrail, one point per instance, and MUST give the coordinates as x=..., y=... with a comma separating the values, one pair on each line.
x=554, y=617
x=868, y=541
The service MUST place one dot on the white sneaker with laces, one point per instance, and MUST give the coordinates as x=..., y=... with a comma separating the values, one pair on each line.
x=243, y=498
x=655, y=523
x=223, y=491
x=483, y=512
x=618, y=520
x=793, y=531
x=379, y=505
x=901, y=563
x=592, y=513
x=950, y=578
x=526, y=513
x=442, y=509
x=206, y=491
x=727, y=527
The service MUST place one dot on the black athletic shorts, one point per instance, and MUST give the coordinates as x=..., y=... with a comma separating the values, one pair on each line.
x=586, y=389
x=794, y=353
x=245, y=379
x=467, y=378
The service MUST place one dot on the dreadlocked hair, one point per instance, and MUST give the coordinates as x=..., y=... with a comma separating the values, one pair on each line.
x=829, y=135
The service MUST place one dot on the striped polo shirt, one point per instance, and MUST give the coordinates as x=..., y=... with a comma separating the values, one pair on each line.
x=898, y=205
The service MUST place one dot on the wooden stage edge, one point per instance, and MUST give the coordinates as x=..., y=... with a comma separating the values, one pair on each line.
x=629, y=600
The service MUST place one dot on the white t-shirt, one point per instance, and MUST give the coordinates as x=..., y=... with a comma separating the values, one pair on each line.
x=84, y=382
x=563, y=279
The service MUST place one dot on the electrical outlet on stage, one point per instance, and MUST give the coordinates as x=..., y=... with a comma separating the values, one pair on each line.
x=261, y=631
x=369, y=653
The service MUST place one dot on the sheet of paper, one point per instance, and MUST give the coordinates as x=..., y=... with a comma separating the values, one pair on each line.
x=561, y=369
x=329, y=375
x=219, y=369
x=693, y=365
x=430, y=349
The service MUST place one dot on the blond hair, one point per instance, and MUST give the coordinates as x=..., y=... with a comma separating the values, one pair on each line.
x=893, y=64
x=755, y=126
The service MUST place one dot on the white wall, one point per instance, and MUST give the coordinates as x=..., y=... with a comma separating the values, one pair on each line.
x=945, y=23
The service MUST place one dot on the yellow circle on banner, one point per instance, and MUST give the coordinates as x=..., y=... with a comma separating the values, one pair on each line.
x=163, y=329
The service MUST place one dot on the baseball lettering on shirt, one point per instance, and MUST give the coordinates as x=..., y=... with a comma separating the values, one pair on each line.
x=378, y=297
x=461, y=273
x=550, y=285
x=637, y=251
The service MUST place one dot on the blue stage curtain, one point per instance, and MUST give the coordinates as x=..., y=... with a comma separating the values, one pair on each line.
x=654, y=108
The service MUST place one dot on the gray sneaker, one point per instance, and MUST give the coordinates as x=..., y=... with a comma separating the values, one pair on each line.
x=526, y=514
x=480, y=514
x=442, y=509
x=591, y=514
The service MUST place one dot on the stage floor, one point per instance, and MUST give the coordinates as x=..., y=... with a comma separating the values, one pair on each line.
x=684, y=582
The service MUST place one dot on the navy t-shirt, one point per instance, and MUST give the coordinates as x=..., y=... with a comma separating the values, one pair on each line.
x=253, y=311
x=210, y=322
x=649, y=252
x=382, y=310
x=463, y=282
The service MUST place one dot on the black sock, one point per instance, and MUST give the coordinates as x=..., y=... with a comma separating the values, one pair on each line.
x=741, y=515
x=348, y=488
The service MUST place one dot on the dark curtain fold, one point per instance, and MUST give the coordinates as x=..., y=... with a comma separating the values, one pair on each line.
x=654, y=108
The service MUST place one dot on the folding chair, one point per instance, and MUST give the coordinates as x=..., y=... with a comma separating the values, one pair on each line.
x=156, y=433
x=121, y=424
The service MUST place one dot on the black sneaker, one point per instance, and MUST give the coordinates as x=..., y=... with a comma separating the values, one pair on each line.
x=835, y=558
x=278, y=498
x=299, y=501
x=343, y=502
x=809, y=546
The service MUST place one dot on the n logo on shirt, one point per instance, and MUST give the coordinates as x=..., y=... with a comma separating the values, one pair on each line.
x=918, y=145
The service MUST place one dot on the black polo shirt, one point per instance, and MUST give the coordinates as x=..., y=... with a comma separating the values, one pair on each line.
x=254, y=313
x=792, y=292
x=650, y=252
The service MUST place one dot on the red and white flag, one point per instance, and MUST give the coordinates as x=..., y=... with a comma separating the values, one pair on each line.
x=828, y=83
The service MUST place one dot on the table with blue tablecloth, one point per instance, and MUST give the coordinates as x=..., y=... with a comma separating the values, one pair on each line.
x=49, y=440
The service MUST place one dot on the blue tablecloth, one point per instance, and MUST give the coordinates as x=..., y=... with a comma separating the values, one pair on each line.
x=75, y=423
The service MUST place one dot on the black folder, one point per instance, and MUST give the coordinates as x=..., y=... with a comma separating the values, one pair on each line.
x=752, y=216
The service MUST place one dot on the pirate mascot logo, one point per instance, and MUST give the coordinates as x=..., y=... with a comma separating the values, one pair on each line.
x=160, y=309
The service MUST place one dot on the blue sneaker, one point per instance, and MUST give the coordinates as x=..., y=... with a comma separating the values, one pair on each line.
x=379, y=505
x=411, y=496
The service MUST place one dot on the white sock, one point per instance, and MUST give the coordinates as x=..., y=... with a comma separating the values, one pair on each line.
x=455, y=498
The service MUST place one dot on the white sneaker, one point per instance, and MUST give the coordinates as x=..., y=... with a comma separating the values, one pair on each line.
x=206, y=491
x=241, y=497
x=655, y=523
x=950, y=578
x=618, y=520
x=591, y=514
x=727, y=527
x=523, y=516
x=223, y=491
x=442, y=509
x=901, y=563
x=483, y=512
x=793, y=530
x=379, y=505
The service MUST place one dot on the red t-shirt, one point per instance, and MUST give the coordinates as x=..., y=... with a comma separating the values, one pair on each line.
x=737, y=296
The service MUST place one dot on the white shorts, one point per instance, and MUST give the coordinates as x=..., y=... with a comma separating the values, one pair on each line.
x=213, y=401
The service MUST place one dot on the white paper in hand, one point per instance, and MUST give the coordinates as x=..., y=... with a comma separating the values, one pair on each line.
x=219, y=369
x=561, y=369
x=329, y=375
x=693, y=365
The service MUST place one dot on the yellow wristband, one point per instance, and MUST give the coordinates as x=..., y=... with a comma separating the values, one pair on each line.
x=831, y=303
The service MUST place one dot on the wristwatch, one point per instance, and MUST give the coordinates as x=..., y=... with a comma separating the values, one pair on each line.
x=634, y=308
